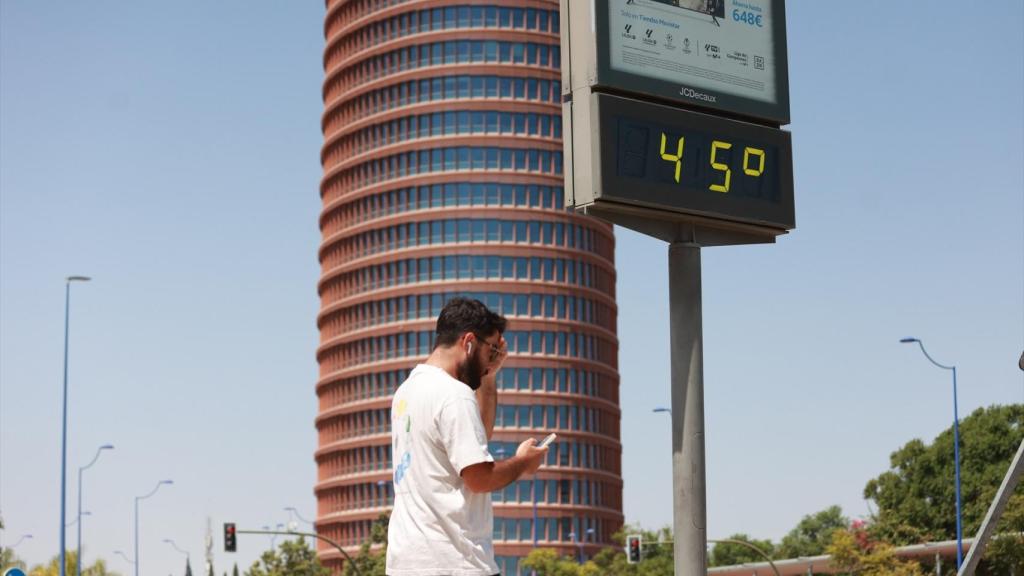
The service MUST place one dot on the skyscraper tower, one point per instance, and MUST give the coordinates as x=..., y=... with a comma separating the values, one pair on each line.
x=442, y=165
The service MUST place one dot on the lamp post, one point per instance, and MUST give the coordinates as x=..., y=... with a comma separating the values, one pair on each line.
x=64, y=423
x=272, y=533
x=79, y=518
x=579, y=541
x=956, y=450
x=125, y=556
x=291, y=510
x=23, y=537
x=175, y=546
x=137, y=498
x=78, y=564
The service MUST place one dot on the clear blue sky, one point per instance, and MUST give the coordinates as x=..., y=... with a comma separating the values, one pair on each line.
x=170, y=150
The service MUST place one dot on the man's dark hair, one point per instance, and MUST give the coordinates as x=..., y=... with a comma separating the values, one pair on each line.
x=461, y=315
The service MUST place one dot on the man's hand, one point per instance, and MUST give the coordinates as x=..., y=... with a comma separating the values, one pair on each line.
x=491, y=368
x=532, y=454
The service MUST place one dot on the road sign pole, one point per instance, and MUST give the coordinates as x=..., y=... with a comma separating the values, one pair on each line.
x=688, y=477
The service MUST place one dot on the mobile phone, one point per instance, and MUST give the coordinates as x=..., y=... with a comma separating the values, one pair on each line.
x=547, y=440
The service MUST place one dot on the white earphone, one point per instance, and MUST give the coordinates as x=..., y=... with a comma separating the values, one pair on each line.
x=470, y=349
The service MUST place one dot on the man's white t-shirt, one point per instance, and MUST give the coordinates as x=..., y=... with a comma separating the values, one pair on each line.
x=438, y=526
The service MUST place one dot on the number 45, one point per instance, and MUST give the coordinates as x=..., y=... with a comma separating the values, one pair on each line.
x=716, y=145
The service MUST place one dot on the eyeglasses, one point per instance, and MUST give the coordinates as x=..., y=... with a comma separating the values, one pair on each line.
x=496, y=349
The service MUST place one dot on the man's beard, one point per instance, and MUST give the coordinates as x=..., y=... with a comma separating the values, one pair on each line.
x=470, y=372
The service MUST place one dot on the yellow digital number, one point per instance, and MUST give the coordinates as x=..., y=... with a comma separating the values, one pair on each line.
x=747, y=153
x=677, y=157
x=717, y=145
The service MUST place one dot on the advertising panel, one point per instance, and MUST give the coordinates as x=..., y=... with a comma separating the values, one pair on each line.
x=724, y=55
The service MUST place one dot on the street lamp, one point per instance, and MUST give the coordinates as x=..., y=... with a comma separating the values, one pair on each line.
x=79, y=518
x=137, y=498
x=291, y=510
x=956, y=450
x=125, y=556
x=23, y=537
x=78, y=563
x=273, y=537
x=662, y=409
x=175, y=546
x=64, y=422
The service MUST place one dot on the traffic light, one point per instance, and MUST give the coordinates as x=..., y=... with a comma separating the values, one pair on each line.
x=633, y=549
x=230, y=544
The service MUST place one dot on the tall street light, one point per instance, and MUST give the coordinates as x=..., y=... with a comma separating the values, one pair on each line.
x=291, y=510
x=125, y=556
x=137, y=498
x=188, y=557
x=79, y=519
x=175, y=546
x=956, y=450
x=78, y=564
x=64, y=424
x=23, y=537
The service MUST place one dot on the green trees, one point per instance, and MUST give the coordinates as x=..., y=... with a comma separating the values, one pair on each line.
x=52, y=568
x=813, y=534
x=730, y=554
x=853, y=551
x=8, y=559
x=369, y=561
x=916, y=497
x=292, y=558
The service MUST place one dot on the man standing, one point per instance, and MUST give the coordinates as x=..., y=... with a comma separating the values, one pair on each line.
x=442, y=417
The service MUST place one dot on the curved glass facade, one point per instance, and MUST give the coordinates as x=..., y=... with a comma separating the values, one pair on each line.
x=443, y=164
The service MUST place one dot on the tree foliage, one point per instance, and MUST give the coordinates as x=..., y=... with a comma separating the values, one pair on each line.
x=853, y=551
x=292, y=558
x=730, y=554
x=52, y=568
x=8, y=559
x=813, y=534
x=372, y=556
x=916, y=497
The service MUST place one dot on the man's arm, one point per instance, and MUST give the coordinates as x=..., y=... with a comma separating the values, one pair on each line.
x=490, y=476
x=487, y=398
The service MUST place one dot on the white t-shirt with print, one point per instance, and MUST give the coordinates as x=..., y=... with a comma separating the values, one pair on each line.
x=438, y=526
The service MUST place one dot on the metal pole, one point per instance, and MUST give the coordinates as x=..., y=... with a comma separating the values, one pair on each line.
x=535, y=510
x=137, y=498
x=64, y=432
x=535, y=535
x=956, y=449
x=136, y=536
x=78, y=554
x=956, y=456
x=78, y=562
x=688, y=476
